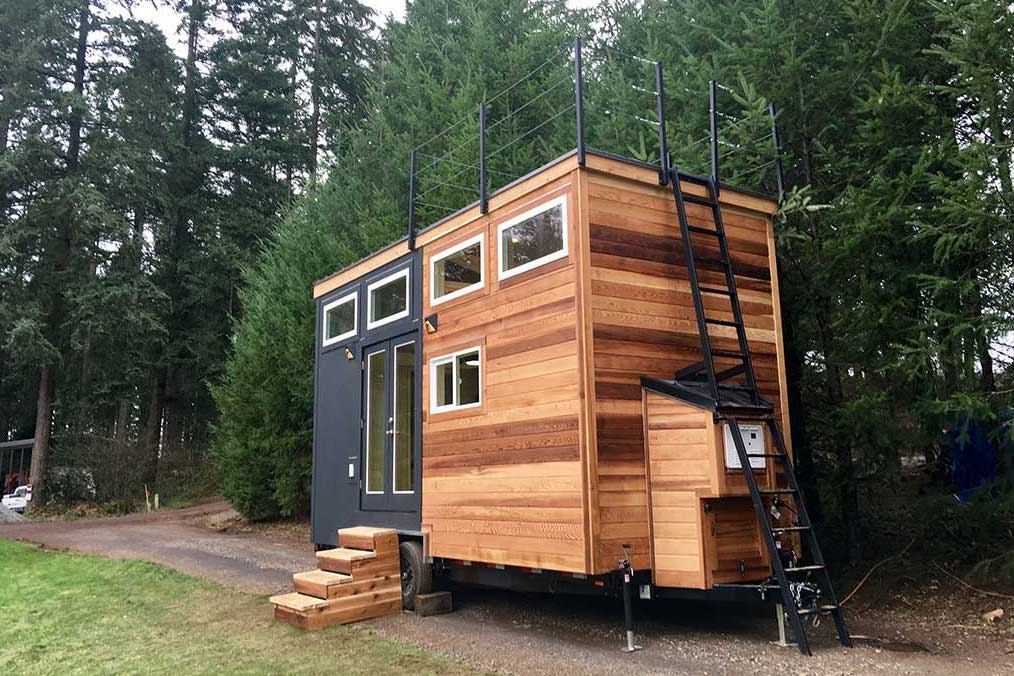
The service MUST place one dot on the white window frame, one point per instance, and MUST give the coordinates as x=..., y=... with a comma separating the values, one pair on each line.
x=479, y=239
x=366, y=435
x=384, y=281
x=354, y=297
x=548, y=258
x=453, y=359
x=394, y=425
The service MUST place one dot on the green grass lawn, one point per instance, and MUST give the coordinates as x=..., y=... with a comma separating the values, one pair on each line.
x=69, y=614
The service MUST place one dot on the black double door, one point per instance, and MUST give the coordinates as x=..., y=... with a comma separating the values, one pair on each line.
x=391, y=428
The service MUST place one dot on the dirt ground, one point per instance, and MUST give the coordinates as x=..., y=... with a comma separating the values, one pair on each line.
x=931, y=627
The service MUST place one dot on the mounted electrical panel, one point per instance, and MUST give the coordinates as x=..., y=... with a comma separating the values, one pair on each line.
x=753, y=439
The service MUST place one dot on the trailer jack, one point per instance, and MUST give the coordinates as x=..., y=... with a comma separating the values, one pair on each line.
x=628, y=600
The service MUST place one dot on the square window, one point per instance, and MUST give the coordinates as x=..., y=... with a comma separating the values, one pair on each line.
x=456, y=272
x=456, y=381
x=340, y=319
x=533, y=239
x=388, y=299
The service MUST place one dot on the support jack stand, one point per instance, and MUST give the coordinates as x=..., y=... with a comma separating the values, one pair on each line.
x=780, y=616
x=628, y=600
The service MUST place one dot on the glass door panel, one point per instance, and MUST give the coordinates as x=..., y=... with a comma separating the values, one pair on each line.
x=404, y=418
x=376, y=420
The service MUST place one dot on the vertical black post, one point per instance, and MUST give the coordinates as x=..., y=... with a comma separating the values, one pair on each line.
x=411, y=203
x=779, y=178
x=483, y=193
x=713, y=124
x=663, y=143
x=579, y=99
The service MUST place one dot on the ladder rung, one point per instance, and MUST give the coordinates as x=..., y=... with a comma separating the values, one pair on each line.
x=711, y=289
x=693, y=178
x=763, y=455
x=731, y=372
x=728, y=353
x=789, y=529
x=702, y=231
x=721, y=322
x=703, y=201
x=811, y=611
x=778, y=491
x=803, y=569
x=709, y=259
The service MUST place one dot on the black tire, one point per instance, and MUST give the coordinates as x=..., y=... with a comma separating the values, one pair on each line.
x=416, y=574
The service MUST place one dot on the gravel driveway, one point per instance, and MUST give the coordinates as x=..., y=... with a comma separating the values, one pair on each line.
x=516, y=633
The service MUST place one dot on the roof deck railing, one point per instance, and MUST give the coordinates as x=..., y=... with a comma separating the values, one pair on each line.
x=550, y=106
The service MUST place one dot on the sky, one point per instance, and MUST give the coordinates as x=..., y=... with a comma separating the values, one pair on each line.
x=168, y=20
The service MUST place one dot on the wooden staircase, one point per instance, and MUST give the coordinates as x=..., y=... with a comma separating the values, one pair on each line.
x=358, y=580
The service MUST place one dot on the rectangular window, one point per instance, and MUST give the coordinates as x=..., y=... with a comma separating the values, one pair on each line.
x=456, y=381
x=376, y=423
x=388, y=299
x=533, y=238
x=458, y=271
x=340, y=319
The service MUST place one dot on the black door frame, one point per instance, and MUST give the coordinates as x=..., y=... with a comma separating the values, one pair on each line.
x=388, y=499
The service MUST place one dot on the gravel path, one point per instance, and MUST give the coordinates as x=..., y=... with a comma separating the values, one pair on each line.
x=515, y=633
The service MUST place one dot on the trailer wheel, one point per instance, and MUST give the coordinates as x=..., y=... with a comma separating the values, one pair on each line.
x=416, y=574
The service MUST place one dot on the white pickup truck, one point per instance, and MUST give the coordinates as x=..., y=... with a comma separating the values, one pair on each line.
x=18, y=500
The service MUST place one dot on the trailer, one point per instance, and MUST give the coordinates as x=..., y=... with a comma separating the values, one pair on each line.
x=574, y=384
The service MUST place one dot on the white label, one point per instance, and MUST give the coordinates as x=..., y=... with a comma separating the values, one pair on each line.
x=753, y=440
x=352, y=470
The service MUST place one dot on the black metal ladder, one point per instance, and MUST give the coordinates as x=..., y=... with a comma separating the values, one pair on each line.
x=706, y=368
x=772, y=539
x=754, y=407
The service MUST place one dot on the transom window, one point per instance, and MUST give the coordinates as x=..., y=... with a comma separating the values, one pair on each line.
x=388, y=299
x=340, y=319
x=534, y=238
x=457, y=271
x=456, y=381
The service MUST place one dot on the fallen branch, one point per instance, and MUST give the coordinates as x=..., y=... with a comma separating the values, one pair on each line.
x=870, y=572
x=965, y=584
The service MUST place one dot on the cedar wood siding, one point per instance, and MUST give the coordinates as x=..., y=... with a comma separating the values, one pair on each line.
x=643, y=324
x=503, y=483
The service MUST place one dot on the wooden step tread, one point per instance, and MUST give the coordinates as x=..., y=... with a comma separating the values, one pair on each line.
x=319, y=583
x=324, y=577
x=368, y=538
x=300, y=603
x=345, y=554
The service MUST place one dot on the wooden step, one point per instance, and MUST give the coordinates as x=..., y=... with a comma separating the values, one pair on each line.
x=358, y=563
x=310, y=586
x=367, y=538
x=319, y=583
x=308, y=612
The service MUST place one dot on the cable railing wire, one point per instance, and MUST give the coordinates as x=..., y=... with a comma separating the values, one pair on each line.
x=530, y=131
x=512, y=113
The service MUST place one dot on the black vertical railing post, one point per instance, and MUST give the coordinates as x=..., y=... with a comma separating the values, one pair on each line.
x=411, y=203
x=579, y=100
x=663, y=143
x=713, y=125
x=779, y=178
x=483, y=189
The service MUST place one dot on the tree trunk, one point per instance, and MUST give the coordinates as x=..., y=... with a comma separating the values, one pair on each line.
x=315, y=93
x=802, y=449
x=153, y=433
x=43, y=421
x=987, y=378
x=62, y=260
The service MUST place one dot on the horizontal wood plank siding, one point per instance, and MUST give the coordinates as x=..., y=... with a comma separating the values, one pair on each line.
x=643, y=323
x=680, y=464
x=503, y=483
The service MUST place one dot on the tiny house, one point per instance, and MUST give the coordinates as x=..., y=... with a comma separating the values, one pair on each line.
x=536, y=391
